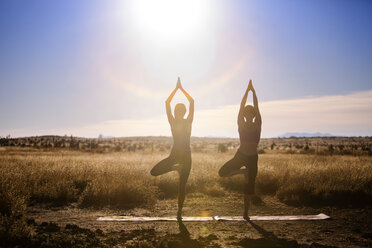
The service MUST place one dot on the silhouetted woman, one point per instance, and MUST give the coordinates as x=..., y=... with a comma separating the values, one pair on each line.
x=180, y=156
x=249, y=126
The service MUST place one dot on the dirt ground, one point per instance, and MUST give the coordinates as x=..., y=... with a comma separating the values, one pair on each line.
x=348, y=227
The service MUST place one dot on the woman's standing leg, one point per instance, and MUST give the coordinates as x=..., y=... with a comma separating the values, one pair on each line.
x=184, y=172
x=250, y=180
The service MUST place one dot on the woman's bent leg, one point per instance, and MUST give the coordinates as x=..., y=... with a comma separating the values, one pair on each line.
x=232, y=167
x=164, y=166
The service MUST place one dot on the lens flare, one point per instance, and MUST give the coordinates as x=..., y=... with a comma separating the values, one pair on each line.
x=157, y=94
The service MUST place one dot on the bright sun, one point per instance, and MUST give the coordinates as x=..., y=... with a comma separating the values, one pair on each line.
x=171, y=20
x=171, y=38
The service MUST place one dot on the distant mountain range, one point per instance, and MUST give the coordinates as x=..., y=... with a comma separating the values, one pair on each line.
x=317, y=134
x=101, y=136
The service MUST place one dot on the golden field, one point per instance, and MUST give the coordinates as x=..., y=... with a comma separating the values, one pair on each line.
x=51, y=177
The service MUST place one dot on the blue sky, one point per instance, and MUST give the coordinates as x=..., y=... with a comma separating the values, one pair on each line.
x=66, y=66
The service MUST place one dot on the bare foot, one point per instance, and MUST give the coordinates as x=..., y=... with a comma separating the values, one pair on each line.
x=246, y=217
x=179, y=216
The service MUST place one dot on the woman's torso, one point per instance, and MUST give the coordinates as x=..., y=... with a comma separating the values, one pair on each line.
x=249, y=135
x=181, y=132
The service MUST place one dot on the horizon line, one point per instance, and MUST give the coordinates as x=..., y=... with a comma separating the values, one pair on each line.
x=167, y=136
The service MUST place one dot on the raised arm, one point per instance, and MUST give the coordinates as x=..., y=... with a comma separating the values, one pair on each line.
x=190, y=117
x=242, y=105
x=258, y=119
x=168, y=107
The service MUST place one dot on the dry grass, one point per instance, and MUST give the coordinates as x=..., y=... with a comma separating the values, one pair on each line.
x=122, y=180
x=13, y=225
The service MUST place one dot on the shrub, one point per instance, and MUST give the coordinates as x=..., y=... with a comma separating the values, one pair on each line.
x=106, y=191
x=167, y=186
x=214, y=190
x=13, y=225
x=56, y=192
x=222, y=148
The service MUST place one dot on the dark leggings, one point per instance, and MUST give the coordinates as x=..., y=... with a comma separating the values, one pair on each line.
x=238, y=161
x=181, y=158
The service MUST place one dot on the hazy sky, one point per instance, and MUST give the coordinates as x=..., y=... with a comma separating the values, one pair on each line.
x=91, y=67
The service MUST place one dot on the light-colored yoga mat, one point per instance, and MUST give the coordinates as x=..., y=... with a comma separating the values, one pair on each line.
x=218, y=218
x=145, y=219
x=283, y=217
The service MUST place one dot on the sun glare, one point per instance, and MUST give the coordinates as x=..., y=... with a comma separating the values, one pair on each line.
x=170, y=20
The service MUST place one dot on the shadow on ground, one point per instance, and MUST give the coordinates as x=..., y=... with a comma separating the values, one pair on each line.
x=49, y=234
x=270, y=240
x=183, y=240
